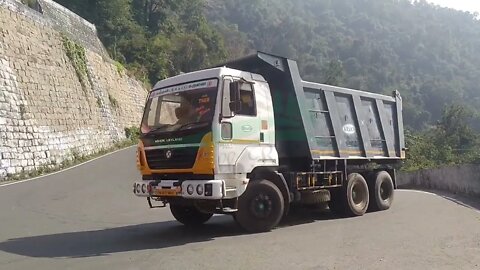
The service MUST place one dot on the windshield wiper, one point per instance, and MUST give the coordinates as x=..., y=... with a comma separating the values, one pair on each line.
x=201, y=123
x=156, y=129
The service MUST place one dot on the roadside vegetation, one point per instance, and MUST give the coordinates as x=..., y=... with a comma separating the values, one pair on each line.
x=76, y=54
x=451, y=141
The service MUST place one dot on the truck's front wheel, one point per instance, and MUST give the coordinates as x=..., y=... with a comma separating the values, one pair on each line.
x=261, y=207
x=189, y=215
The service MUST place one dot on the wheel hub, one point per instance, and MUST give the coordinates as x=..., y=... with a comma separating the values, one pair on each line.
x=385, y=191
x=358, y=194
x=261, y=206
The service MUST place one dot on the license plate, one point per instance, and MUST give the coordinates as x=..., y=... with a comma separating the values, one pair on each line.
x=165, y=192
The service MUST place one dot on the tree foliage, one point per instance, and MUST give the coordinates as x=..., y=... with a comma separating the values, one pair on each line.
x=154, y=38
x=451, y=141
x=430, y=54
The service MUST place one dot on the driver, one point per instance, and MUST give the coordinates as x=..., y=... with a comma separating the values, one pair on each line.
x=184, y=113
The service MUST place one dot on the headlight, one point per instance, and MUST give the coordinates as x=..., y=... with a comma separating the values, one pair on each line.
x=190, y=189
x=200, y=189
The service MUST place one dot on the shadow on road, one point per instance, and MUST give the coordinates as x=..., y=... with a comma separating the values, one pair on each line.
x=138, y=237
x=112, y=240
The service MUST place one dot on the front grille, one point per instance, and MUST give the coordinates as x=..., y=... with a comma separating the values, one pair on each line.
x=178, y=176
x=177, y=158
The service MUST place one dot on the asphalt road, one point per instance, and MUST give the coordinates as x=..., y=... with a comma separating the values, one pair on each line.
x=88, y=218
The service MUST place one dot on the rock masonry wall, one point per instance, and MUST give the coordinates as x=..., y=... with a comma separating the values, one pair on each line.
x=47, y=113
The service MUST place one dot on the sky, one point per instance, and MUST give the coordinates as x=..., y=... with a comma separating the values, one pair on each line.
x=465, y=5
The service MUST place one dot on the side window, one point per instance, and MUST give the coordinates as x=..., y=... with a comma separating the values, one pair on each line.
x=247, y=99
x=152, y=112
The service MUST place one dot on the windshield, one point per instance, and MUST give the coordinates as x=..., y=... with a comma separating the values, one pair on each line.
x=179, y=107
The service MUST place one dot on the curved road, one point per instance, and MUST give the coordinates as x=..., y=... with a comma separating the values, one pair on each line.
x=88, y=218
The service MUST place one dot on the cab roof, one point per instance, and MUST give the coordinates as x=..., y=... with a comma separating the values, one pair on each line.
x=206, y=74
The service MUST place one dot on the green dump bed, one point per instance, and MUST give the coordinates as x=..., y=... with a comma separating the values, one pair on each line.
x=317, y=121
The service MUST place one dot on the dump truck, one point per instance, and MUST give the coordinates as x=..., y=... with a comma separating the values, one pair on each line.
x=250, y=138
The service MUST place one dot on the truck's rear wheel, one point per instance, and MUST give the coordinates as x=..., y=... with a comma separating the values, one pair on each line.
x=381, y=191
x=189, y=215
x=352, y=199
x=357, y=195
x=261, y=207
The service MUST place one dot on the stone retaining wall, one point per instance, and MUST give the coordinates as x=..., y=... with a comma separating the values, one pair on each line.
x=463, y=179
x=46, y=114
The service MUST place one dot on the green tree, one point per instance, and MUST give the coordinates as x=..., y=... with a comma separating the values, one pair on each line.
x=124, y=38
x=190, y=52
x=454, y=131
x=333, y=73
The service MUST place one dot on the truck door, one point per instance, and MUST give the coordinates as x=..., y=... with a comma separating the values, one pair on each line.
x=240, y=125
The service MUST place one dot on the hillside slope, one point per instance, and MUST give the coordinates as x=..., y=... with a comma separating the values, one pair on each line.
x=430, y=54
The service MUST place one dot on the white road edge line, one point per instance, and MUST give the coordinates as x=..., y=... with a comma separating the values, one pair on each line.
x=66, y=169
x=441, y=196
x=417, y=191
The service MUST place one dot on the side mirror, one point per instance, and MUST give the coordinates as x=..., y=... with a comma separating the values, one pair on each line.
x=235, y=103
x=235, y=106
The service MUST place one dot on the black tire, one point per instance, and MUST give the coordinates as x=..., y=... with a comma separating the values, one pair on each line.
x=316, y=197
x=352, y=199
x=381, y=191
x=189, y=215
x=357, y=195
x=261, y=207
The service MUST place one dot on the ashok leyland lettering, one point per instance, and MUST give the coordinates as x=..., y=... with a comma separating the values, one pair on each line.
x=250, y=138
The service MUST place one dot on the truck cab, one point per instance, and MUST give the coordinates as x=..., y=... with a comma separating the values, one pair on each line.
x=221, y=140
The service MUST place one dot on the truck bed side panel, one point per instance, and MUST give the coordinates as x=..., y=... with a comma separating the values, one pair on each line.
x=351, y=124
x=318, y=121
